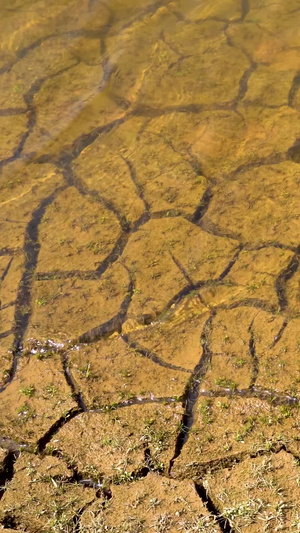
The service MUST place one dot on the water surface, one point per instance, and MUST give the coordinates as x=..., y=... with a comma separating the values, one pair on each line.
x=149, y=264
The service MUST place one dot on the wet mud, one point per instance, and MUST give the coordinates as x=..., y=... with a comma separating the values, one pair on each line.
x=149, y=266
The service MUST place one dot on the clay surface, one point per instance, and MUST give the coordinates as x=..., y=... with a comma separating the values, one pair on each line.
x=149, y=266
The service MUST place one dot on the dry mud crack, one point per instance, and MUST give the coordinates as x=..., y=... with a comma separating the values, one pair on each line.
x=149, y=266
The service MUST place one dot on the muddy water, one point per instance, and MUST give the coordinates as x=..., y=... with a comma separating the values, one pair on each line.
x=149, y=265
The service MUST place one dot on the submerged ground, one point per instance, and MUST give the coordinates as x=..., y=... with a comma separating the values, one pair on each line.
x=149, y=266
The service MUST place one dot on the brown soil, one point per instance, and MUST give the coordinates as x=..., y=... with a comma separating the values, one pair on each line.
x=149, y=266
x=150, y=503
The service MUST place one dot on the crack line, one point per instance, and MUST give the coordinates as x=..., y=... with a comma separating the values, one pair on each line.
x=145, y=352
x=76, y=393
x=192, y=390
x=114, y=325
x=222, y=522
x=23, y=307
x=279, y=334
x=284, y=276
x=252, y=351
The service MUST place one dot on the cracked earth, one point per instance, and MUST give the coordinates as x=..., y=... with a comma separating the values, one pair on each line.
x=149, y=266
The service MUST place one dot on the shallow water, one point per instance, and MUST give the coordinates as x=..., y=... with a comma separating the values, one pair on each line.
x=149, y=260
